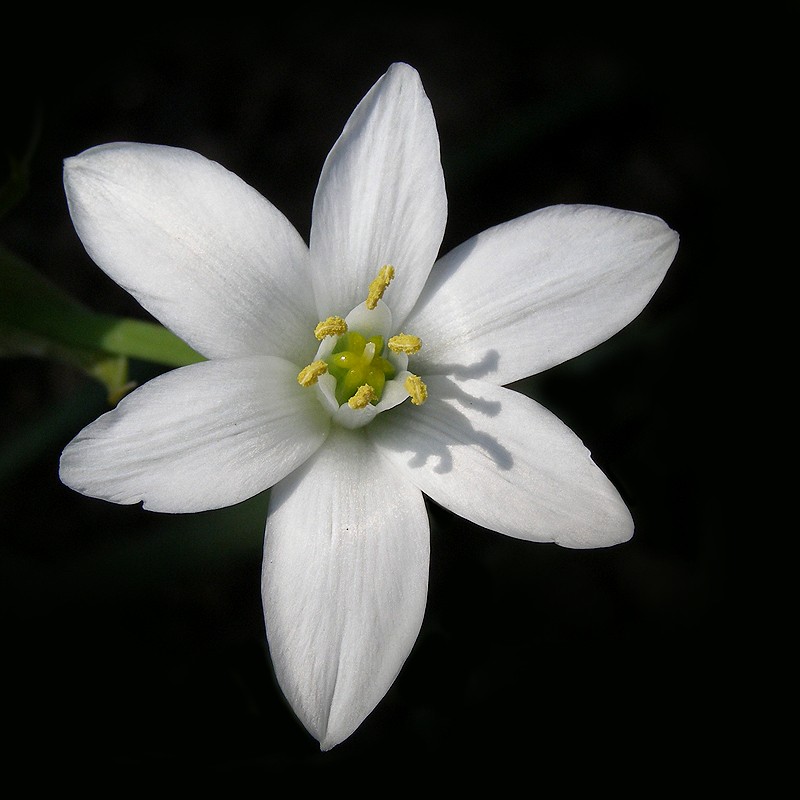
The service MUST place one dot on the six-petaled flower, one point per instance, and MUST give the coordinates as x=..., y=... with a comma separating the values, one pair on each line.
x=354, y=375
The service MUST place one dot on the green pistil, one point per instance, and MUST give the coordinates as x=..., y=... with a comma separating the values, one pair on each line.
x=356, y=361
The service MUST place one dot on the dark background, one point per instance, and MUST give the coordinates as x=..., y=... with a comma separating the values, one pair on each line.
x=135, y=641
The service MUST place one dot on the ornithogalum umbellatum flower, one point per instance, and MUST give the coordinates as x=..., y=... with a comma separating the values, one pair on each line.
x=354, y=375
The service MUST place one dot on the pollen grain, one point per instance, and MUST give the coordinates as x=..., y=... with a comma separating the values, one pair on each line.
x=416, y=388
x=332, y=326
x=405, y=343
x=378, y=286
x=363, y=397
x=309, y=375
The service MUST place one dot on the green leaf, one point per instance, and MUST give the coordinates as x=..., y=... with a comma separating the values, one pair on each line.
x=38, y=319
x=110, y=370
x=35, y=308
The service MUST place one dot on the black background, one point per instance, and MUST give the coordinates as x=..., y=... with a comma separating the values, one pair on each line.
x=135, y=641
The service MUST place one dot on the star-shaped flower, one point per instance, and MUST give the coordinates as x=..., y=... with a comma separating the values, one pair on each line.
x=353, y=375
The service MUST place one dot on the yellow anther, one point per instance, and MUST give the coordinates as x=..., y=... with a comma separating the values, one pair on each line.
x=417, y=390
x=378, y=286
x=363, y=397
x=405, y=343
x=333, y=326
x=309, y=375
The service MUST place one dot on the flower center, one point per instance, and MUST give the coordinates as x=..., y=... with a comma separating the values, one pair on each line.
x=360, y=370
x=357, y=361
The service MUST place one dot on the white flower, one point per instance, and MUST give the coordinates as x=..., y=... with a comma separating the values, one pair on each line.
x=346, y=549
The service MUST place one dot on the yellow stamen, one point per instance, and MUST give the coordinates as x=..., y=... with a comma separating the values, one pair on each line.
x=333, y=326
x=405, y=343
x=417, y=390
x=378, y=286
x=363, y=397
x=309, y=375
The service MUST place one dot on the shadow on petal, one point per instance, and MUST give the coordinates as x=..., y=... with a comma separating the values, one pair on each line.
x=450, y=418
x=480, y=369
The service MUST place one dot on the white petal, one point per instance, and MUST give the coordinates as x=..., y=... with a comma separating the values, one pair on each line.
x=368, y=322
x=502, y=461
x=201, y=250
x=534, y=292
x=345, y=583
x=200, y=437
x=353, y=418
x=380, y=200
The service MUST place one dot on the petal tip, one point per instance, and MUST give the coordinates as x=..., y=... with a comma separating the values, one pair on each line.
x=617, y=527
x=401, y=68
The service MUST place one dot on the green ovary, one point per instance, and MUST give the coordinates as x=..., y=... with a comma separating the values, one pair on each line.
x=356, y=361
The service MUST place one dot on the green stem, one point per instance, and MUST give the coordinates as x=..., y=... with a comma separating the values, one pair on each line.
x=31, y=304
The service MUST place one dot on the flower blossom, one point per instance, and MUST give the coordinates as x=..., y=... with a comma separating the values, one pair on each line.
x=354, y=375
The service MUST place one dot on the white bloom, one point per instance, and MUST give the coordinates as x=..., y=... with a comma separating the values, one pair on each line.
x=347, y=541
